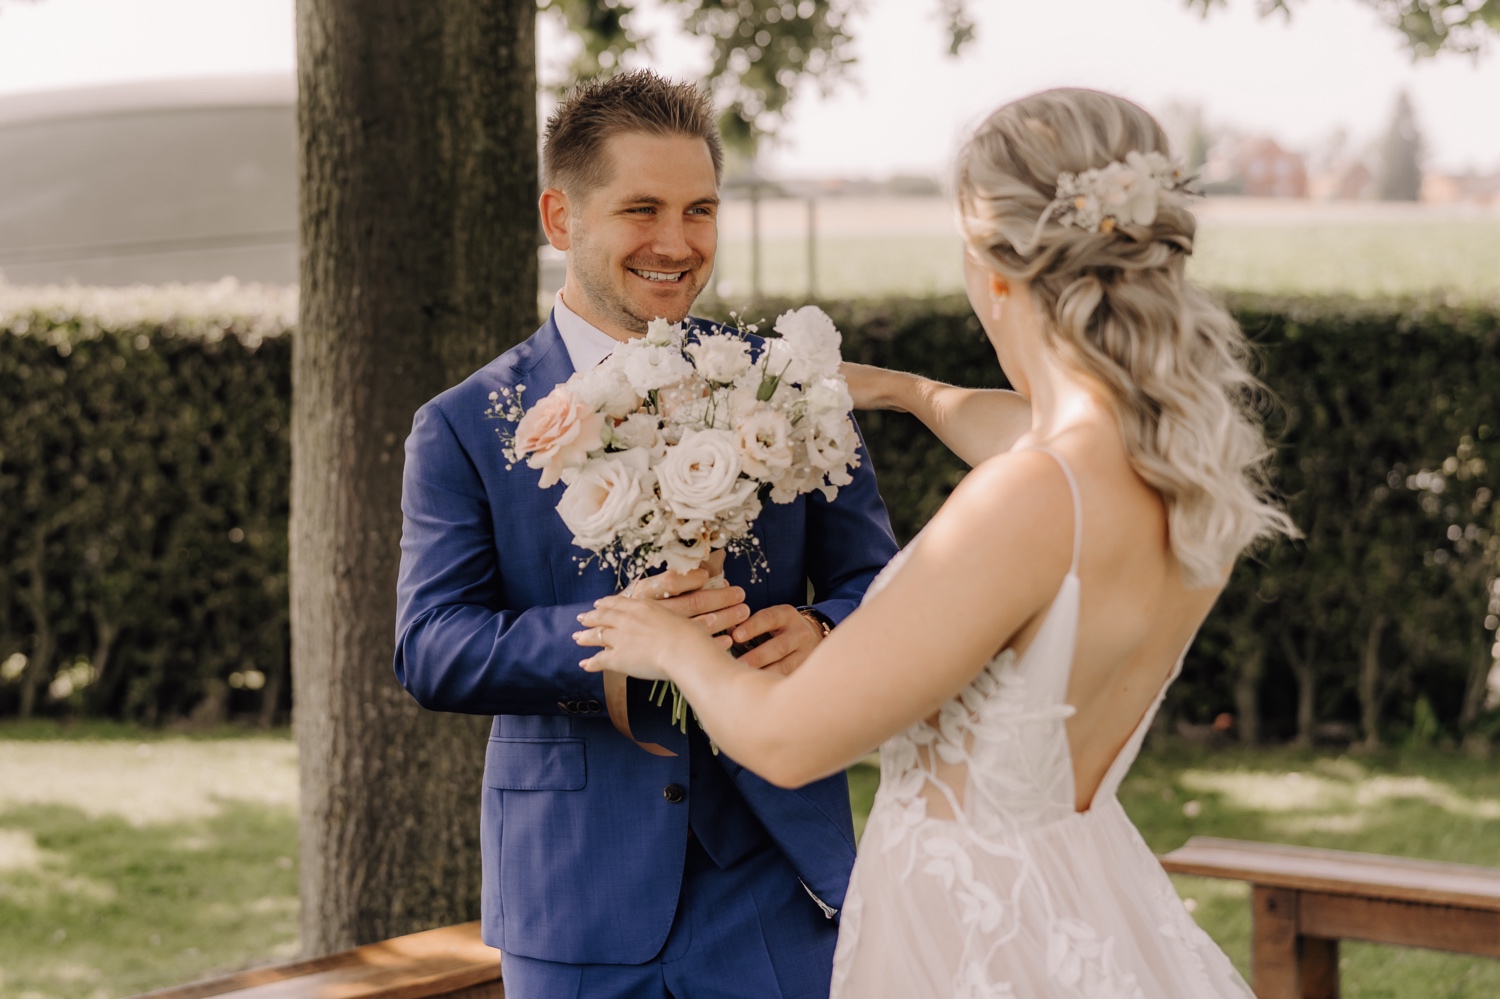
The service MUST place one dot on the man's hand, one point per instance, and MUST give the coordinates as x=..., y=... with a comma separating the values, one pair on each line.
x=791, y=638
x=683, y=594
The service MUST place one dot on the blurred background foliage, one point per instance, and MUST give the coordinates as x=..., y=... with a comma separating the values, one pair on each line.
x=144, y=464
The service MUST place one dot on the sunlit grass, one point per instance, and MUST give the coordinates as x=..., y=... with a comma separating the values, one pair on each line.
x=1376, y=258
x=107, y=900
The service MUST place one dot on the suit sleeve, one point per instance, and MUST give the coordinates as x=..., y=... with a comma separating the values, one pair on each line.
x=457, y=647
x=848, y=542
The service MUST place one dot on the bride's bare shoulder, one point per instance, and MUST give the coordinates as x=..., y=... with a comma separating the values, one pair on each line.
x=1017, y=504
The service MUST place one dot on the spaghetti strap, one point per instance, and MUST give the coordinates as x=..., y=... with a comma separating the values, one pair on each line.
x=1077, y=503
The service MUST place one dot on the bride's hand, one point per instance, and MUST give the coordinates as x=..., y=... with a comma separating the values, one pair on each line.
x=642, y=639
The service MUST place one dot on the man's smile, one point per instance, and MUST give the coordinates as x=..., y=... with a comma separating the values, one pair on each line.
x=660, y=277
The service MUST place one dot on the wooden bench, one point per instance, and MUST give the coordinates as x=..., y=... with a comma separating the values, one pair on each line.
x=1305, y=901
x=451, y=961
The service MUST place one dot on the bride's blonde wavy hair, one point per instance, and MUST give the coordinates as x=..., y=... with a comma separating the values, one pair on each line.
x=1118, y=307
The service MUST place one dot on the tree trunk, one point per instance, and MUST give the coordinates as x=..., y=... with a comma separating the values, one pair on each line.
x=1304, y=668
x=1372, y=689
x=1250, y=667
x=34, y=599
x=418, y=169
x=1477, y=688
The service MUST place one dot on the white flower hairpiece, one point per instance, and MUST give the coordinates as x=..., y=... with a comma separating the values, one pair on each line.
x=1124, y=191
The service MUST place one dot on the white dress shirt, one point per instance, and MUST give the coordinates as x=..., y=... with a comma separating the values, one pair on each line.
x=587, y=344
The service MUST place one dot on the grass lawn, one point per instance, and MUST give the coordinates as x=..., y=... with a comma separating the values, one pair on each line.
x=130, y=861
x=1350, y=257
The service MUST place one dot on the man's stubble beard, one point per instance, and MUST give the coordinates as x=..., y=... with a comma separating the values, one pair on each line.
x=592, y=272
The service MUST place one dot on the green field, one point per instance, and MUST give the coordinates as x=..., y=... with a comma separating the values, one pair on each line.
x=1454, y=255
x=131, y=860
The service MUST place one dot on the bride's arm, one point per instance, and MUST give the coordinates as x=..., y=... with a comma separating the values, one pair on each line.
x=975, y=424
x=972, y=582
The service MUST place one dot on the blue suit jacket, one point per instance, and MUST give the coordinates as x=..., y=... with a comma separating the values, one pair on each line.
x=583, y=853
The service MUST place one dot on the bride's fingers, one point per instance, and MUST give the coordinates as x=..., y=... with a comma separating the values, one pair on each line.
x=597, y=664
x=589, y=637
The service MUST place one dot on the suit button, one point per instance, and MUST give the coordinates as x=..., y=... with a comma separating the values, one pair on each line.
x=673, y=793
x=594, y=707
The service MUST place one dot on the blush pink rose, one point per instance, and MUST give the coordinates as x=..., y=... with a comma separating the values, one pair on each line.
x=557, y=434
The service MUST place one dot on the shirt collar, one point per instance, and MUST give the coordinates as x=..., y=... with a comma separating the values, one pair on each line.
x=587, y=344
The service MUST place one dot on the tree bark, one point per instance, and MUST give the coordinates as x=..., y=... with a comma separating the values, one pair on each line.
x=34, y=598
x=1250, y=668
x=418, y=172
x=1372, y=687
x=1304, y=668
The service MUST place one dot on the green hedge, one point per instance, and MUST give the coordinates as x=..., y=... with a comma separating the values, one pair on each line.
x=143, y=475
x=144, y=472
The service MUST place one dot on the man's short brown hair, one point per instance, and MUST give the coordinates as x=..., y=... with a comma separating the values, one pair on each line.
x=641, y=101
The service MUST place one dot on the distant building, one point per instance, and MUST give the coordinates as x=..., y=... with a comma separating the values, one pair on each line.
x=163, y=181
x=1482, y=190
x=1345, y=182
x=1270, y=171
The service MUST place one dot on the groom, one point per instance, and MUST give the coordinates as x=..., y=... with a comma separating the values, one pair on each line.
x=622, y=858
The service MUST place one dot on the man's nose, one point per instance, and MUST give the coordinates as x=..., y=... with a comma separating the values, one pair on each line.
x=670, y=239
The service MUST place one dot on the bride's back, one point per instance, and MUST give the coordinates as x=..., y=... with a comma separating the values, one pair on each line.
x=1136, y=613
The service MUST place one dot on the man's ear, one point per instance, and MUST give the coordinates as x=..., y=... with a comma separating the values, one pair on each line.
x=557, y=218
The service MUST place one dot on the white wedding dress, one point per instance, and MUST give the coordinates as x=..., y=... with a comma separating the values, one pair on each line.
x=978, y=879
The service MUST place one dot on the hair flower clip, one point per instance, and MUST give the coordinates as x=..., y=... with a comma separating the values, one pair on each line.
x=1125, y=191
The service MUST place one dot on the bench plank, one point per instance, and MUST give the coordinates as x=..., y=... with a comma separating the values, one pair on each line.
x=1363, y=875
x=1404, y=924
x=448, y=961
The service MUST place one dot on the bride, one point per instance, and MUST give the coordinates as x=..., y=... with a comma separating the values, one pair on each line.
x=1009, y=661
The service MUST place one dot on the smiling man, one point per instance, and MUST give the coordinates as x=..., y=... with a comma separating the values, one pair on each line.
x=622, y=858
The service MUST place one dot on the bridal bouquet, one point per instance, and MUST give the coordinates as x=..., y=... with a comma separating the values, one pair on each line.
x=669, y=447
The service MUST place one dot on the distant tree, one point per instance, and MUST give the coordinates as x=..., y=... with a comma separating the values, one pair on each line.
x=1400, y=174
x=761, y=49
x=1429, y=26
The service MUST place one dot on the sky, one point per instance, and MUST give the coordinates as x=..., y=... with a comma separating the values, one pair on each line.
x=905, y=104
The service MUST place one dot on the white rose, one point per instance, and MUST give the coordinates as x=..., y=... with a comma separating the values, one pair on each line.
x=764, y=442
x=649, y=367
x=606, y=389
x=720, y=359
x=813, y=342
x=606, y=497
x=700, y=476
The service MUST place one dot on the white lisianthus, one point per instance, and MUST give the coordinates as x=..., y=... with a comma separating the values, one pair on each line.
x=1131, y=190
x=829, y=397
x=649, y=367
x=660, y=333
x=686, y=546
x=720, y=359
x=812, y=342
x=700, y=476
x=607, y=496
x=639, y=431
x=607, y=390
x=764, y=442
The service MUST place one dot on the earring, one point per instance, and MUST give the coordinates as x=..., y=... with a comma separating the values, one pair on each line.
x=997, y=307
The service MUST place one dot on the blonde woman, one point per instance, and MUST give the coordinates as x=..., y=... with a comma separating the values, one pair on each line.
x=1009, y=661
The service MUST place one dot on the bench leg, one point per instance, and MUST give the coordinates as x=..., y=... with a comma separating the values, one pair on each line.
x=1320, y=968
x=1284, y=964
